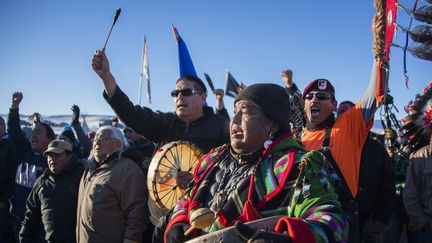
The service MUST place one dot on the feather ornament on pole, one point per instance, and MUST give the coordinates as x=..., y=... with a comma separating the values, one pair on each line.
x=419, y=50
x=421, y=33
x=423, y=14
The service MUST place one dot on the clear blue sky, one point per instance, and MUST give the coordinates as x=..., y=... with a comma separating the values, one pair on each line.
x=46, y=48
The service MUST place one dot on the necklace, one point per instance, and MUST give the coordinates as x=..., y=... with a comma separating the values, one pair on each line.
x=233, y=171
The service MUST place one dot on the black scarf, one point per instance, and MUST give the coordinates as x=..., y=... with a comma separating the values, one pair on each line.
x=326, y=123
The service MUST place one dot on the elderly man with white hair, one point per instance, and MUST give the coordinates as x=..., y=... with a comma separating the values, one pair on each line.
x=112, y=198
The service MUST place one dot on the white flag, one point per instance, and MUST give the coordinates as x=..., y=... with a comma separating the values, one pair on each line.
x=145, y=70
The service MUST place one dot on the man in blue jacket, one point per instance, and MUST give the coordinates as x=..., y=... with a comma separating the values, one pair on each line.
x=31, y=162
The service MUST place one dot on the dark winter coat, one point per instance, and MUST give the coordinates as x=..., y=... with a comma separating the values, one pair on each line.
x=377, y=194
x=52, y=204
x=8, y=166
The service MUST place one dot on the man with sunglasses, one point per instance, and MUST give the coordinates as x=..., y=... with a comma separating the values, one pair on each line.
x=341, y=139
x=191, y=121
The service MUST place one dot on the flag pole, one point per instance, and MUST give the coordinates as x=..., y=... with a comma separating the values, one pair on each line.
x=140, y=90
x=142, y=73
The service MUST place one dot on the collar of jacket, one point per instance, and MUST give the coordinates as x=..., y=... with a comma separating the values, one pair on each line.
x=73, y=163
x=208, y=111
x=112, y=157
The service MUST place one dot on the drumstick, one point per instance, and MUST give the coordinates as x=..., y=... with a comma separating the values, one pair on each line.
x=200, y=219
x=117, y=14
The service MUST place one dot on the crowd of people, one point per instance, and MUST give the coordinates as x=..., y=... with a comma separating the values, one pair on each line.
x=310, y=162
x=288, y=166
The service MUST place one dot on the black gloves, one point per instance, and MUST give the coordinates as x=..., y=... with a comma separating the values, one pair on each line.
x=176, y=233
x=257, y=236
x=75, y=115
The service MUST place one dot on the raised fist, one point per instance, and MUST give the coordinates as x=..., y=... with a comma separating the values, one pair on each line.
x=100, y=64
x=16, y=99
x=218, y=92
x=75, y=114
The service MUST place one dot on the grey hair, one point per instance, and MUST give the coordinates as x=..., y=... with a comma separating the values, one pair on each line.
x=116, y=134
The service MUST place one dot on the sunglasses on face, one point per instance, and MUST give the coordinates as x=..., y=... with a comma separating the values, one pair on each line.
x=185, y=92
x=319, y=96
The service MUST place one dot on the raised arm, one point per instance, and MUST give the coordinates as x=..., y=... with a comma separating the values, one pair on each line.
x=220, y=106
x=17, y=136
x=371, y=100
x=101, y=67
x=368, y=102
x=85, y=142
x=143, y=120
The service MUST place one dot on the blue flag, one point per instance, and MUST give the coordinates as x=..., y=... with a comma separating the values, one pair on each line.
x=185, y=62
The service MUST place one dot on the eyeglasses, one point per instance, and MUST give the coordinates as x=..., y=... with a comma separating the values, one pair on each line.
x=102, y=140
x=319, y=96
x=185, y=92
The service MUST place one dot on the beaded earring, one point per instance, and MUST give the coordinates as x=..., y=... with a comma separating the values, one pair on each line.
x=269, y=140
